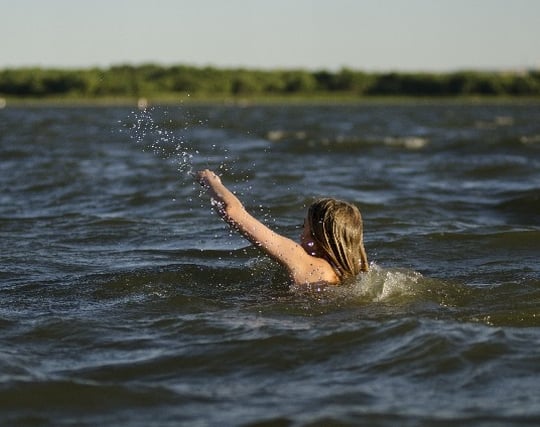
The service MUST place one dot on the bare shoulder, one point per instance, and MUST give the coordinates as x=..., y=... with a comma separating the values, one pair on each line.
x=310, y=269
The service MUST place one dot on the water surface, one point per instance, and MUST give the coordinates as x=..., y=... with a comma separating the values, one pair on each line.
x=126, y=301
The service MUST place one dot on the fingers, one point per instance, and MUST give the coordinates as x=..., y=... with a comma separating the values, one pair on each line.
x=201, y=177
x=204, y=172
x=205, y=177
x=201, y=174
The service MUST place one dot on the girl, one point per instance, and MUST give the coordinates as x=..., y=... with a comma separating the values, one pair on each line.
x=331, y=248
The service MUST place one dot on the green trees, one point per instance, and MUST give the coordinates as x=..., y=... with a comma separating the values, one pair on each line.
x=151, y=80
x=37, y=82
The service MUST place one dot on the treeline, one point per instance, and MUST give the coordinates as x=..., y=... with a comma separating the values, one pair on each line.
x=155, y=81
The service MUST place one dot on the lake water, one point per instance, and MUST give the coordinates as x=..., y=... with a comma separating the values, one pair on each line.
x=124, y=300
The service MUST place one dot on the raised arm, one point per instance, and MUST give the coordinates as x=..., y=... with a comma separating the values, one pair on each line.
x=284, y=250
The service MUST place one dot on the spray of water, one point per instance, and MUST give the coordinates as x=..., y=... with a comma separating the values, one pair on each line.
x=153, y=136
x=154, y=131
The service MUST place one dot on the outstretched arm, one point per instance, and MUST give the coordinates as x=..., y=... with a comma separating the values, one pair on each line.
x=229, y=207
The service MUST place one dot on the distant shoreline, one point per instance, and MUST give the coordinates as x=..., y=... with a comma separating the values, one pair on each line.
x=139, y=103
x=171, y=83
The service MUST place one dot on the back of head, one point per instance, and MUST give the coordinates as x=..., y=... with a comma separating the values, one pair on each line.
x=337, y=230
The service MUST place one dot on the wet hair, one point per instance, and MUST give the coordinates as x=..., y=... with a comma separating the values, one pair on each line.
x=337, y=230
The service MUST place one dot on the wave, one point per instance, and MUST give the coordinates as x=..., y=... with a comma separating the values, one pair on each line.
x=240, y=277
x=76, y=394
x=205, y=281
x=522, y=207
x=384, y=292
x=302, y=141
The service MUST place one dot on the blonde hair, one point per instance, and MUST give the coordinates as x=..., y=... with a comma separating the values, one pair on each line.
x=337, y=230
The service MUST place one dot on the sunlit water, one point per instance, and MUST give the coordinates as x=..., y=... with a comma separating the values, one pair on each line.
x=126, y=301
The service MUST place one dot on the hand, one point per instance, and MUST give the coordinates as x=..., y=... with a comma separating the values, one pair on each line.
x=207, y=178
x=221, y=198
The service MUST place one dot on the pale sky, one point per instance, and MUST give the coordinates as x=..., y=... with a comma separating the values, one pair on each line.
x=370, y=35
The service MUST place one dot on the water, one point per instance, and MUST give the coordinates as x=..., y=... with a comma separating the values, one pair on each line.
x=126, y=301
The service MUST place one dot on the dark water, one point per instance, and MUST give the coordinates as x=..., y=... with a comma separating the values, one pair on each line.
x=125, y=301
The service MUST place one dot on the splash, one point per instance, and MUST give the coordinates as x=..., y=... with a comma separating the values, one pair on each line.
x=153, y=136
x=380, y=285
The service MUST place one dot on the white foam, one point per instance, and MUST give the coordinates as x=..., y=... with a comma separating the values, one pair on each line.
x=382, y=284
x=409, y=142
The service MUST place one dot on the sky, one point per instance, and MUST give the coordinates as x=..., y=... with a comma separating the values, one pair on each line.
x=370, y=35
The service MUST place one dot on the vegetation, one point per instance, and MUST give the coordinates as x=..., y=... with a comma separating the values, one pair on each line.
x=165, y=81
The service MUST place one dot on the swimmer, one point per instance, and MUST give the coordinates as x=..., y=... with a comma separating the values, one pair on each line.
x=331, y=248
